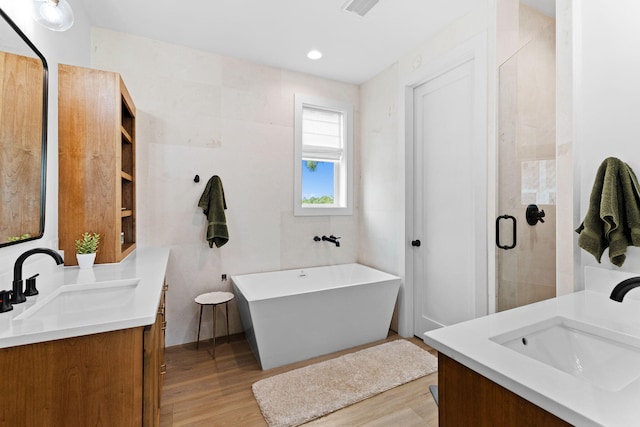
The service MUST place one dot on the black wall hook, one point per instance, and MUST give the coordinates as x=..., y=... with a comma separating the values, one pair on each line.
x=197, y=178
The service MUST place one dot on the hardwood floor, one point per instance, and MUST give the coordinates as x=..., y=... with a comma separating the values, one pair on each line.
x=201, y=391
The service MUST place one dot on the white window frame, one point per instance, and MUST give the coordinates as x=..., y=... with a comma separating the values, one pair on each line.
x=343, y=170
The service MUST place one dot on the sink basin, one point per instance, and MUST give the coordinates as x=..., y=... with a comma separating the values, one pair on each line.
x=604, y=358
x=75, y=303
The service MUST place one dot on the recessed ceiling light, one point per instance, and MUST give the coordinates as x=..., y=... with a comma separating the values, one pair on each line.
x=314, y=54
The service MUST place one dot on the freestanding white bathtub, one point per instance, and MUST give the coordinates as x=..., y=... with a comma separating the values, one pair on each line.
x=294, y=315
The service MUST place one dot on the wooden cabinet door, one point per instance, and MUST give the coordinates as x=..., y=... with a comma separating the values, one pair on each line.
x=469, y=399
x=154, y=367
x=83, y=381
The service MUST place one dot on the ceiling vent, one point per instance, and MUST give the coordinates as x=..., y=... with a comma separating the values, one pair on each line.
x=359, y=7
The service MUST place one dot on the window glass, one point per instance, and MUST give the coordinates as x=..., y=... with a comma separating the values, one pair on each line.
x=318, y=183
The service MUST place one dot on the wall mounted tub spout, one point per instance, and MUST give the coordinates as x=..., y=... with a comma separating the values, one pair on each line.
x=623, y=287
x=333, y=239
x=17, y=295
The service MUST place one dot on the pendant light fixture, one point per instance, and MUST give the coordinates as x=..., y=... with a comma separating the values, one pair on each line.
x=55, y=15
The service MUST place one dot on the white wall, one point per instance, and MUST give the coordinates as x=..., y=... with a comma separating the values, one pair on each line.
x=382, y=201
x=71, y=47
x=607, y=99
x=206, y=114
x=383, y=226
x=382, y=223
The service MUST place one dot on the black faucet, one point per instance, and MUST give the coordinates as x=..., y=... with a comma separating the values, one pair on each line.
x=623, y=287
x=17, y=295
x=332, y=239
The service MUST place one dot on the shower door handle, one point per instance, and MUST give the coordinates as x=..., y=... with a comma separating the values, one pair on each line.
x=512, y=218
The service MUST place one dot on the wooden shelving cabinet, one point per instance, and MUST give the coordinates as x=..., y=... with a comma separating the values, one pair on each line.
x=97, y=170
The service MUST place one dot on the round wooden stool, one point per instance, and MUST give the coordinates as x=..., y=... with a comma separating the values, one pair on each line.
x=213, y=299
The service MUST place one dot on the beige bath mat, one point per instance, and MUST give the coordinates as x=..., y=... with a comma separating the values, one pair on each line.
x=301, y=395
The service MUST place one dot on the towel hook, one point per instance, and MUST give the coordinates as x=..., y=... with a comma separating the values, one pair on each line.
x=197, y=178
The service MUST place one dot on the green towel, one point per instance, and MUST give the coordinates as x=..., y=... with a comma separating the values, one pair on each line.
x=213, y=205
x=613, y=217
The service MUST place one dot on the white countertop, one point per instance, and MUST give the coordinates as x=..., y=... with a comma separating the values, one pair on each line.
x=140, y=308
x=574, y=400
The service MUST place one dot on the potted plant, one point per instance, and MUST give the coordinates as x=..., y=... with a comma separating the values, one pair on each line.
x=86, y=248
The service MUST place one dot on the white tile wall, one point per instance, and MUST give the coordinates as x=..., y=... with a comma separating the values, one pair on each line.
x=207, y=114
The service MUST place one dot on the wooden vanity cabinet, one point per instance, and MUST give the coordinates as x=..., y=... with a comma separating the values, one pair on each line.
x=467, y=398
x=154, y=366
x=82, y=381
x=106, y=379
x=97, y=171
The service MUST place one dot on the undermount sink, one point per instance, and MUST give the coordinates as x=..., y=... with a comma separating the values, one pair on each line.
x=73, y=303
x=604, y=358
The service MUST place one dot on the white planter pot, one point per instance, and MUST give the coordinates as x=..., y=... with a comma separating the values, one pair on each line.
x=86, y=260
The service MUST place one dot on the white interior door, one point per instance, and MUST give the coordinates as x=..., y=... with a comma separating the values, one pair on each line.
x=449, y=217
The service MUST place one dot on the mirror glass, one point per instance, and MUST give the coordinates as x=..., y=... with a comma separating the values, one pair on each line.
x=23, y=135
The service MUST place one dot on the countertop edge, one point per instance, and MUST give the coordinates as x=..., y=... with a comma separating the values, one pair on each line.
x=147, y=264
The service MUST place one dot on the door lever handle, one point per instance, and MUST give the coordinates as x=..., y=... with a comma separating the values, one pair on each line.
x=415, y=243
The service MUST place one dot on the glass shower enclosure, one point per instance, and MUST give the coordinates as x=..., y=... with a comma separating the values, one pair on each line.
x=526, y=225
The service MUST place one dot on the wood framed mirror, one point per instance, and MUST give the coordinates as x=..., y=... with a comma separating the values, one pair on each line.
x=24, y=78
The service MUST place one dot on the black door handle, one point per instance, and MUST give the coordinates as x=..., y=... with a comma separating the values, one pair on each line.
x=513, y=245
x=415, y=243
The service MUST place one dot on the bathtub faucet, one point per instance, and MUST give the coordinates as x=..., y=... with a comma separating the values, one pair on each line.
x=333, y=239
